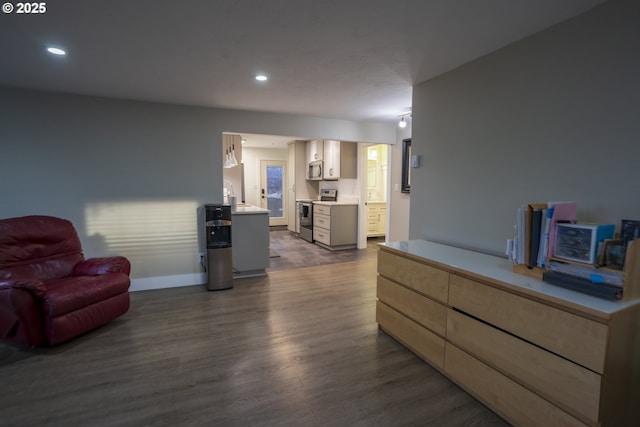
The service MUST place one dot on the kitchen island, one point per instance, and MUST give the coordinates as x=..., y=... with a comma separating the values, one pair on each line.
x=250, y=241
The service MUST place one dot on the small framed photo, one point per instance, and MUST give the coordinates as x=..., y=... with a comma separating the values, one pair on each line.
x=629, y=230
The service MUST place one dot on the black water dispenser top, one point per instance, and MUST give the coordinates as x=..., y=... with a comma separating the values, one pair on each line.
x=218, y=226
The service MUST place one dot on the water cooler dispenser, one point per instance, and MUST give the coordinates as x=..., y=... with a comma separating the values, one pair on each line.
x=219, y=255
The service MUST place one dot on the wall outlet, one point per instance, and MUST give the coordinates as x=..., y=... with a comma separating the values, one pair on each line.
x=203, y=261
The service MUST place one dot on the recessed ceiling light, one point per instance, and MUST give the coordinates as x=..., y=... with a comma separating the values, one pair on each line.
x=56, y=51
x=261, y=78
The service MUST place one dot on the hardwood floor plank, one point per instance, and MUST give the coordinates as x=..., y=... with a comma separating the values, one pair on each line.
x=297, y=347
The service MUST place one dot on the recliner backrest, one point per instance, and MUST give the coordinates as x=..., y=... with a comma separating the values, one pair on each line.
x=38, y=246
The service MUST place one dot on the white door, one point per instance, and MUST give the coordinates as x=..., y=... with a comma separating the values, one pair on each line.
x=273, y=192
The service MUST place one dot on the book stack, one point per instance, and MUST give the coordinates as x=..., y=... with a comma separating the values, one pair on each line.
x=536, y=230
x=581, y=257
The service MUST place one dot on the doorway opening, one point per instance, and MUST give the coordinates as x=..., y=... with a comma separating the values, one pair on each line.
x=376, y=190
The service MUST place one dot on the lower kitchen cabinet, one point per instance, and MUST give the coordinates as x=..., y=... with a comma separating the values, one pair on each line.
x=536, y=354
x=335, y=226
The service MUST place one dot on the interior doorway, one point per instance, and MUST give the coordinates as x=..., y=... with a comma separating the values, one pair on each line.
x=376, y=189
x=273, y=175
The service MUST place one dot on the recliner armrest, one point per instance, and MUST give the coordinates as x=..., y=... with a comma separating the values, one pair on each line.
x=34, y=286
x=100, y=266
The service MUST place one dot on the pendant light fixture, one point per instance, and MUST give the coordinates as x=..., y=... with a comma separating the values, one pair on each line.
x=227, y=154
x=234, y=161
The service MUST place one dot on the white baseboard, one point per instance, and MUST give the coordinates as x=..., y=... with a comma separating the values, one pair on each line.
x=163, y=282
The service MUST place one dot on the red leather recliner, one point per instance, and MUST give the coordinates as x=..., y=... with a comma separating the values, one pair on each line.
x=48, y=292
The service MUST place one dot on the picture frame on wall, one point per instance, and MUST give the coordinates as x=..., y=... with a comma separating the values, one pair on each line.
x=406, y=165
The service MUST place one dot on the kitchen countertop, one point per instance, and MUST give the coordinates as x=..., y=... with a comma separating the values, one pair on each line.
x=319, y=202
x=249, y=210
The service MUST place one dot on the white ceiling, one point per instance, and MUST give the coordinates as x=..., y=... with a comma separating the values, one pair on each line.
x=351, y=59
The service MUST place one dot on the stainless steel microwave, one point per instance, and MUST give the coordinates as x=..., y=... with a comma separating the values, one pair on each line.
x=315, y=171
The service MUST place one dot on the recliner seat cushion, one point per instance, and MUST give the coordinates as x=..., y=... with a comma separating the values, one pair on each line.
x=72, y=293
x=62, y=328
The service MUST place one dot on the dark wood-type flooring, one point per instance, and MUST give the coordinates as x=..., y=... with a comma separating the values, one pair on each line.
x=295, y=252
x=296, y=348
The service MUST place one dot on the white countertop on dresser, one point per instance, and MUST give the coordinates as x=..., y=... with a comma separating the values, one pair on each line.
x=501, y=270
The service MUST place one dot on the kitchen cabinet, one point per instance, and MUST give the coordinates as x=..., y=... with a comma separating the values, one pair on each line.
x=315, y=150
x=340, y=159
x=536, y=354
x=376, y=218
x=335, y=225
x=331, y=159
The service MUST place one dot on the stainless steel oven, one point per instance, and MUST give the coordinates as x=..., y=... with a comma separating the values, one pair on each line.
x=305, y=218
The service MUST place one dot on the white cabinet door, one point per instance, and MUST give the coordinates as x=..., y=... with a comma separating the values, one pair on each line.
x=331, y=159
x=315, y=150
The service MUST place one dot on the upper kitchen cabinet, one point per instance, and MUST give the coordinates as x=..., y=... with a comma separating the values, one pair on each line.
x=315, y=150
x=340, y=159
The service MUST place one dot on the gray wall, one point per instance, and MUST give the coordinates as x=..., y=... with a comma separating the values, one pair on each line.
x=552, y=117
x=132, y=175
x=399, y=203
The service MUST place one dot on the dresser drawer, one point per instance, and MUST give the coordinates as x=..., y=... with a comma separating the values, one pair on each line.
x=427, y=280
x=508, y=398
x=322, y=221
x=322, y=235
x=420, y=309
x=418, y=339
x=576, y=338
x=321, y=209
x=570, y=386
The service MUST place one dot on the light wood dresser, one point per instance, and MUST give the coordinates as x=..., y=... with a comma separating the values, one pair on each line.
x=536, y=354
